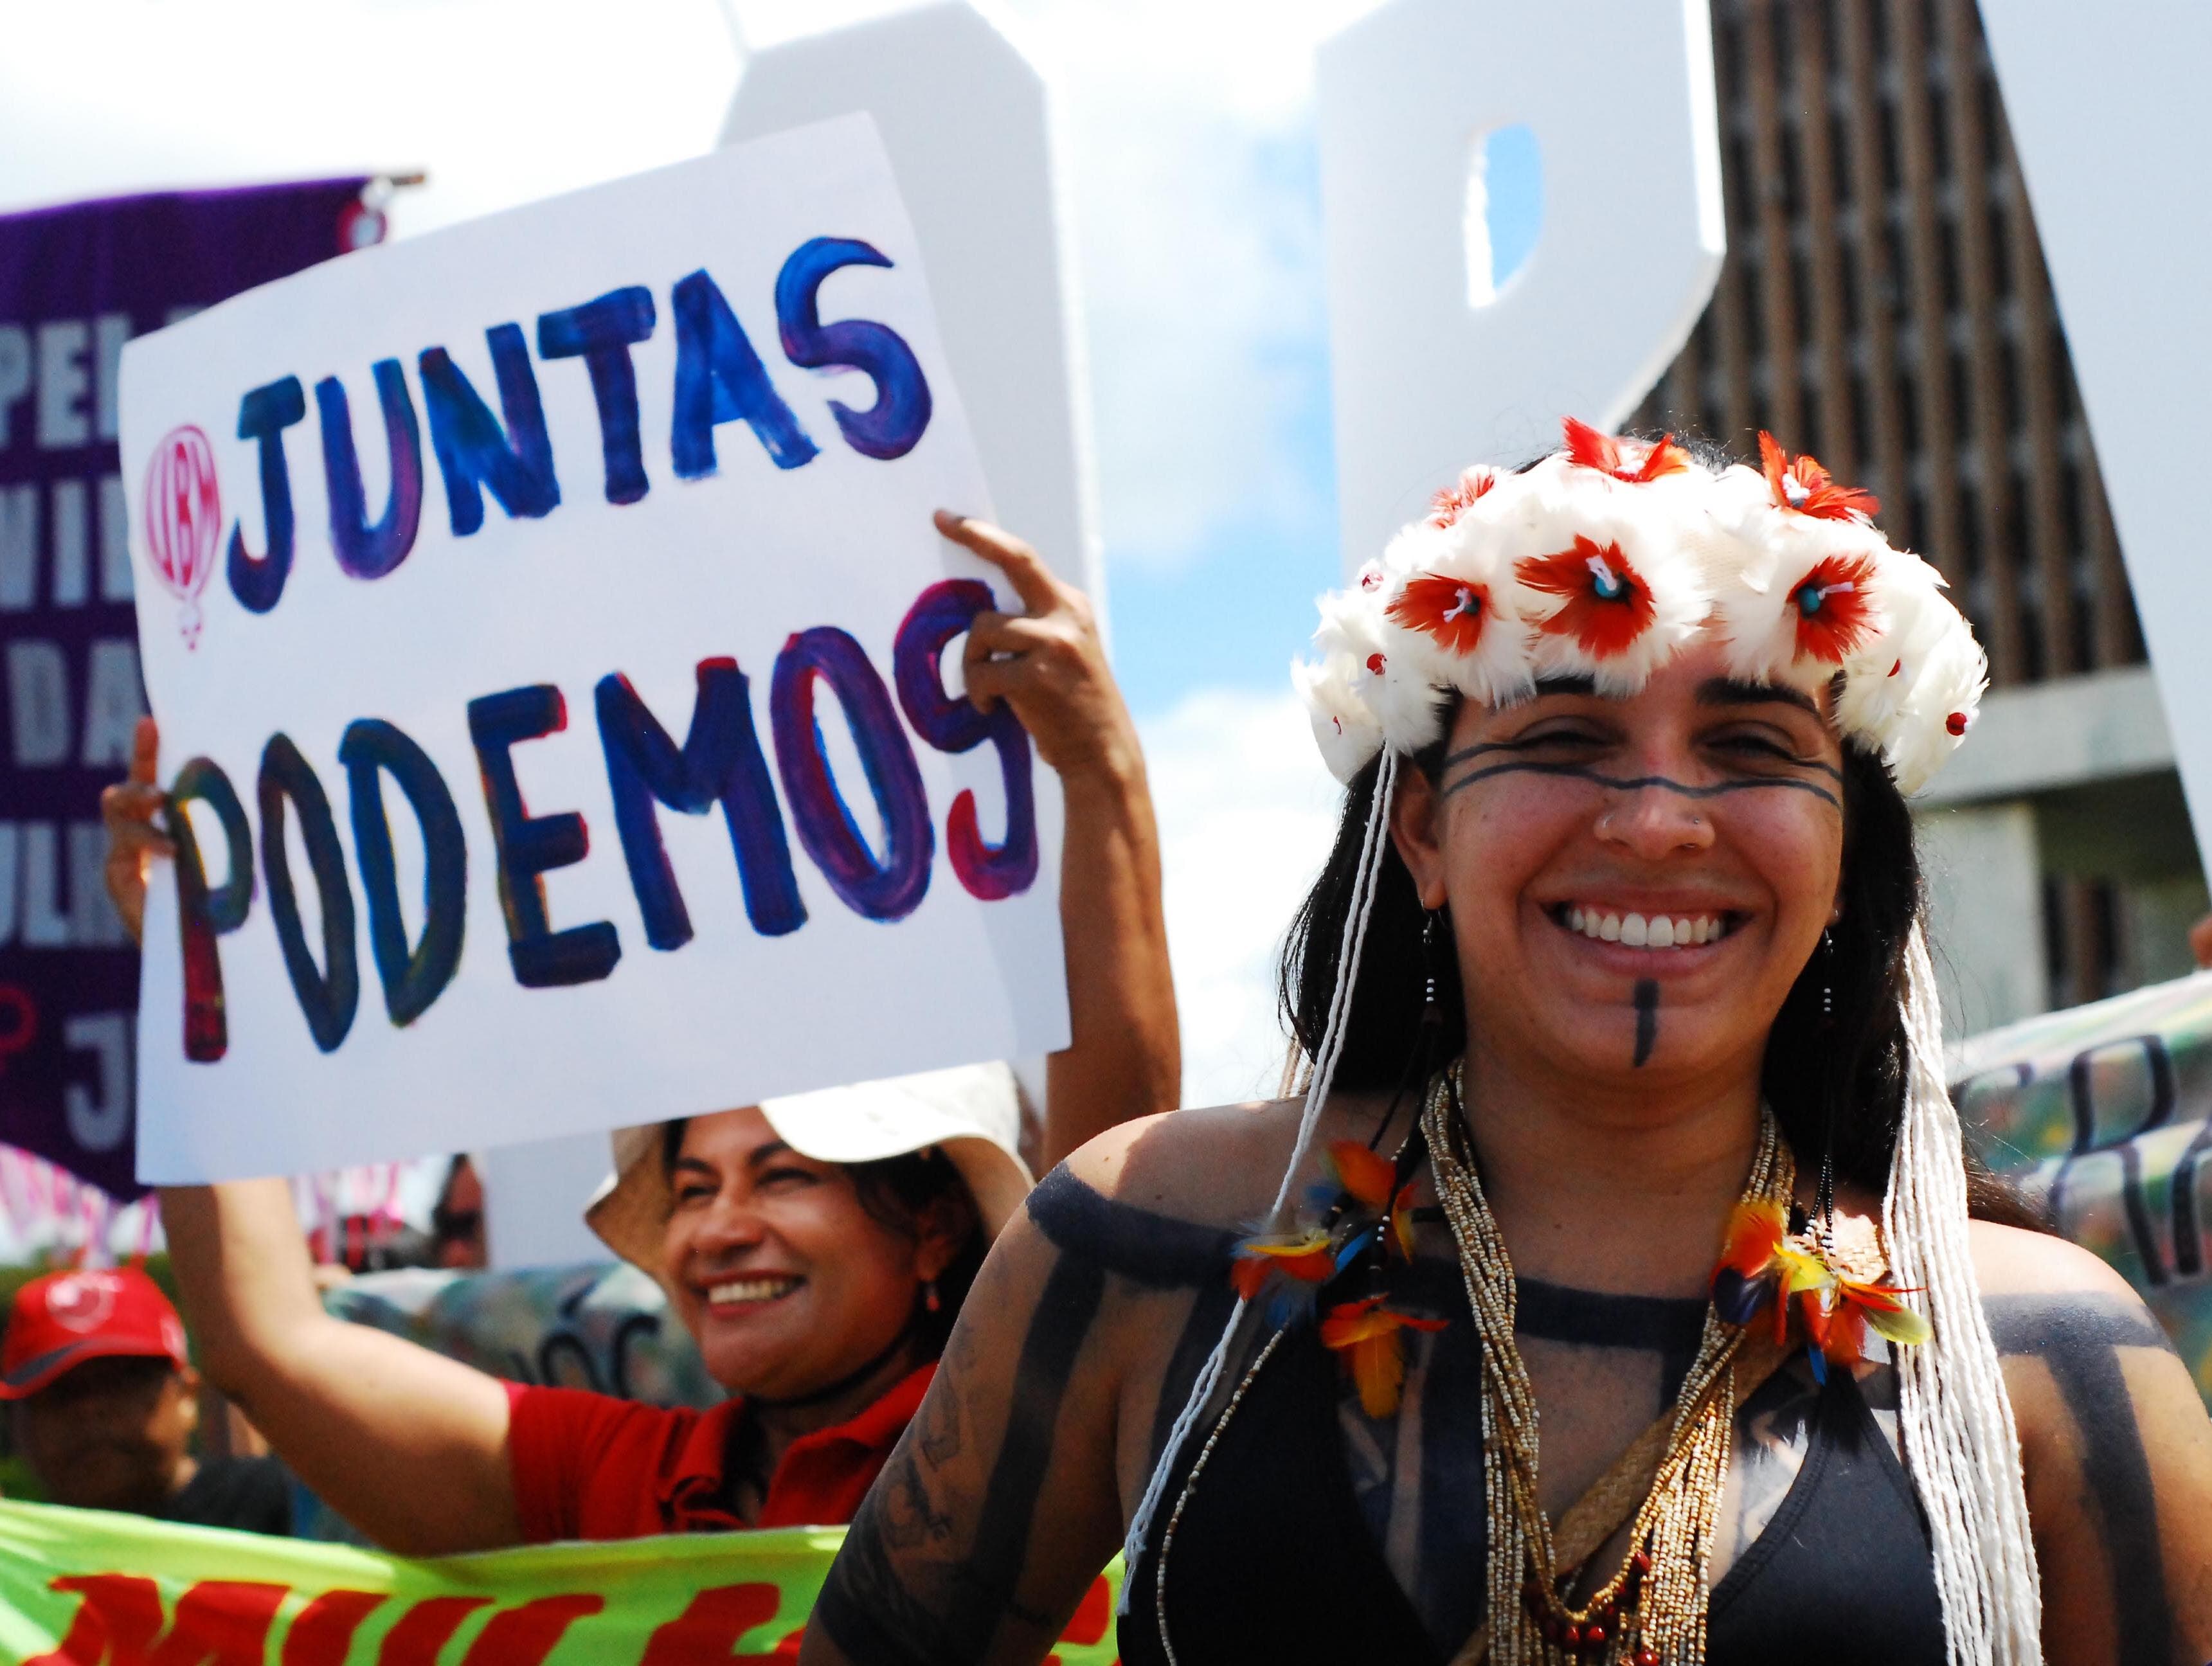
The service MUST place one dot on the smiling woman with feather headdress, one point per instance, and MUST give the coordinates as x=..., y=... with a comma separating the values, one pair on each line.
x=1618, y=1287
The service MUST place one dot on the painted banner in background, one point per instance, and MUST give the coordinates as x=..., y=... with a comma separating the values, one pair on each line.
x=604, y=1326
x=84, y=1588
x=2103, y=1114
x=76, y=283
x=546, y=624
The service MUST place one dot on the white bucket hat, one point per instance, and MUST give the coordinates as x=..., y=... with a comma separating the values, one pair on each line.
x=972, y=1111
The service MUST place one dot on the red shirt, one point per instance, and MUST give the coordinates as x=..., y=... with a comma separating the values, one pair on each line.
x=589, y=1466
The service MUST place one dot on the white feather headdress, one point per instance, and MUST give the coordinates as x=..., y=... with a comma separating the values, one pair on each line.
x=1610, y=556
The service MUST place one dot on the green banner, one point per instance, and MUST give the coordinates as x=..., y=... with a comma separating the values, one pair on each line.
x=84, y=1588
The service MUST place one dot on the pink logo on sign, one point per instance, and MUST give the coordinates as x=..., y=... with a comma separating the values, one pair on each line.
x=183, y=522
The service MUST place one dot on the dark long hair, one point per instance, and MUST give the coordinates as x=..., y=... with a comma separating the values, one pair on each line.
x=896, y=1192
x=1844, y=1085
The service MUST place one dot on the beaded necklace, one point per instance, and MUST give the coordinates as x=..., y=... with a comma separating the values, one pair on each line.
x=1652, y=1611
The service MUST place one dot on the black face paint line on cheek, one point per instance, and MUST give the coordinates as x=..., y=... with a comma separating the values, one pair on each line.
x=1647, y=1018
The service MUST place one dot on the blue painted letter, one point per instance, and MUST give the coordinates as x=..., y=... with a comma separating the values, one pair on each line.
x=371, y=749
x=330, y=994
x=720, y=760
x=942, y=612
x=720, y=379
x=529, y=845
x=263, y=415
x=472, y=451
x=888, y=890
x=601, y=332
x=892, y=426
x=367, y=551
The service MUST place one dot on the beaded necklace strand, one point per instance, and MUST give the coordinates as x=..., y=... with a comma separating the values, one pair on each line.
x=1652, y=1611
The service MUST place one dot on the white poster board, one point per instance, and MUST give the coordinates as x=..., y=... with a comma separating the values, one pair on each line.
x=968, y=121
x=2115, y=143
x=558, y=600
x=1433, y=367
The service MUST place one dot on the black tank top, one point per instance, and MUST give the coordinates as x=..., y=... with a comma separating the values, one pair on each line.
x=1268, y=1557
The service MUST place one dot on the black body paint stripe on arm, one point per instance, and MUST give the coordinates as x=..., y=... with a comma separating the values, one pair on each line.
x=2078, y=1339
x=866, y=1605
x=869, y=1609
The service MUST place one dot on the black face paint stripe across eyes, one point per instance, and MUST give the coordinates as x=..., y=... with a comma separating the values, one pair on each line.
x=1485, y=748
x=1636, y=783
x=1647, y=1018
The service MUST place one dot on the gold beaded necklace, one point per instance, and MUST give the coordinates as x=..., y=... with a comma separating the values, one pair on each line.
x=1652, y=1611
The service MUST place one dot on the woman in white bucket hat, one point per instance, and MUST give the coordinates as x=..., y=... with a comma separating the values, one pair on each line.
x=817, y=1247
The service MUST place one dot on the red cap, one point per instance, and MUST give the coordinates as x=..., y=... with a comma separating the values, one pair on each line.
x=64, y=1319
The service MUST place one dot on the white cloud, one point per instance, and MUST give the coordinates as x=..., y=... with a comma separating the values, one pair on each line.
x=1247, y=813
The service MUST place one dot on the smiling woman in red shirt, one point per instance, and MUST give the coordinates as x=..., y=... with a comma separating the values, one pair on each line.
x=825, y=1288
x=816, y=1249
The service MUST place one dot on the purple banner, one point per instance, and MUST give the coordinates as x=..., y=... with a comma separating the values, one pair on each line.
x=75, y=283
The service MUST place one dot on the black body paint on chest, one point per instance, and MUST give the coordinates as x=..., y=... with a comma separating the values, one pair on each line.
x=2078, y=1338
x=1647, y=1018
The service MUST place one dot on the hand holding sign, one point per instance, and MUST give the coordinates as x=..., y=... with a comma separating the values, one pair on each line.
x=377, y=729
x=129, y=808
x=1048, y=662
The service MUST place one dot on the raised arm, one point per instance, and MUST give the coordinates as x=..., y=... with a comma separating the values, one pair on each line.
x=408, y=1446
x=2117, y=1451
x=1125, y=1058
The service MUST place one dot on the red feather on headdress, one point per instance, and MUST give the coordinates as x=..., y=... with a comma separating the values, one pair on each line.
x=1609, y=604
x=1457, y=499
x=1835, y=608
x=1801, y=484
x=1589, y=449
x=1445, y=608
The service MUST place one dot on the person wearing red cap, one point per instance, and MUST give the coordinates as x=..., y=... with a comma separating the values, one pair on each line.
x=106, y=1402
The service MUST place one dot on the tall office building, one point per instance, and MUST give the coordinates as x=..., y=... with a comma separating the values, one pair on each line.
x=1884, y=306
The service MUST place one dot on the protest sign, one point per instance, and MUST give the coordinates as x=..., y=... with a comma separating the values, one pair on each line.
x=75, y=283
x=546, y=623
x=84, y=1588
